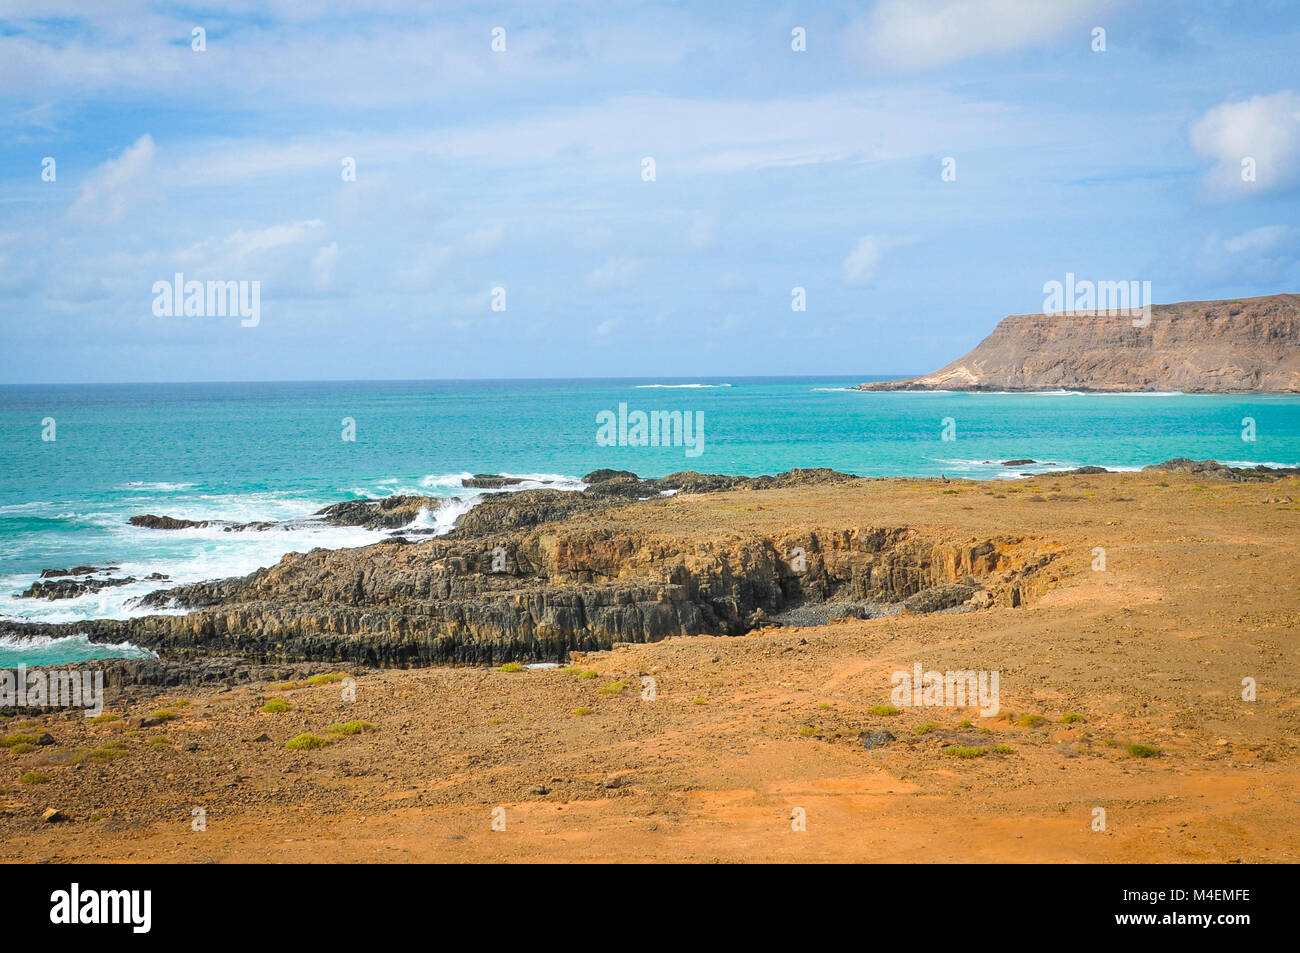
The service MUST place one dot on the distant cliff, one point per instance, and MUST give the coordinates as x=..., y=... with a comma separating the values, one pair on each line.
x=1243, y=345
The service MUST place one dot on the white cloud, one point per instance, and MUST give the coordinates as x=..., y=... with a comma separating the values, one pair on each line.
x=110, y=191
x=614, y=273
x=323, y=264
x=1269, y=255
x=923, y=34
x=701, y=233
x=240, y=248
x=484, y=241
x=864, y=260
x=1263, y=128
x=1260, y=240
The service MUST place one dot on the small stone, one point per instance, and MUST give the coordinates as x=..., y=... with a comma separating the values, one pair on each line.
x=45, y=739
x=877, y=739
x=53, y=816
x=539, y=789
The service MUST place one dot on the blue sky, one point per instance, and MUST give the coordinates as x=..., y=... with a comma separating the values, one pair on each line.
x=522, y=169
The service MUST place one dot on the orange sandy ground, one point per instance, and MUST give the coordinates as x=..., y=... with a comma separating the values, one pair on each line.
x=1200, y=591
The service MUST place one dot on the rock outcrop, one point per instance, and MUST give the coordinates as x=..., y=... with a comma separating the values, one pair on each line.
x=1241, y=345
x=531, y=575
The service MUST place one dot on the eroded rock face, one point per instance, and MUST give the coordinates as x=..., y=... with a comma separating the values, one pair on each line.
x=516, y=581
x=455, y=600
x=1241, y=345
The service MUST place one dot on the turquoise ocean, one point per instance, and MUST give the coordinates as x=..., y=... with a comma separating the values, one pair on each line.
x=275, y=451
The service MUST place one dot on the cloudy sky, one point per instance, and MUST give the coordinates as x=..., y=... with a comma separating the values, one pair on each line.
x=523, y=169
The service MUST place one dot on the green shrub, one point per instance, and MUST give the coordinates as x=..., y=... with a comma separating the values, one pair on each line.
x=613, y=688
x=926, y=728
x=8, y=741
x=958, y=751
x=584, y=710
x=1071, y=718
x=276, y=706
x=305, y=742
x=353, y=727
x=883, y=710
x=1142, y=751
x=33, y=777
x=326, y=678
x=511, y=667
x=1030, y=721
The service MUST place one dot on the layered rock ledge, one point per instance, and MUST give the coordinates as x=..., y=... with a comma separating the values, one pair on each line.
x=533, y=575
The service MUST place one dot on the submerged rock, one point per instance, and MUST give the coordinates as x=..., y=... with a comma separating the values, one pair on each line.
x=150, y=521
x=1218, y=471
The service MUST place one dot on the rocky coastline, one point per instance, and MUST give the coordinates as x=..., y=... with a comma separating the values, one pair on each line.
x=535, y=575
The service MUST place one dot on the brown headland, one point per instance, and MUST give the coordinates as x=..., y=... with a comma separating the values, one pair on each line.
x=1245, y=345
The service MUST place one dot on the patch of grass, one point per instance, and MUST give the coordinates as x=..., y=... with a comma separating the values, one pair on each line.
x=105, y=718
x=613, y=688
x=510, y=667
x=325, y=678
x=159, y=742
x=22, y=747
x=1071, y=718
x=9, y=741
x=824, y=706
x=808, y=731
x=353, y=727
x=587, y=673
x=964, y=723
x=181, y=703
x=926, y=728
x=1002, y=749
x=108, y=752
x=959, y=751
x=984, y=730
x=1142, y=751
x=700, y=700
x=494, y=721
x=305, y=742
x=1030, y=721
x=584, y=710
x=276, y=706
x=883, y=710
x=164, y=714
x=33, y=777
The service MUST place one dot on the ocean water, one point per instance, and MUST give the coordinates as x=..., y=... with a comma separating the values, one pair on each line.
x=275, y=451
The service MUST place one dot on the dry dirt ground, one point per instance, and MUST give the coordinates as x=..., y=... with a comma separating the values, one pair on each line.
x=745, y=734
